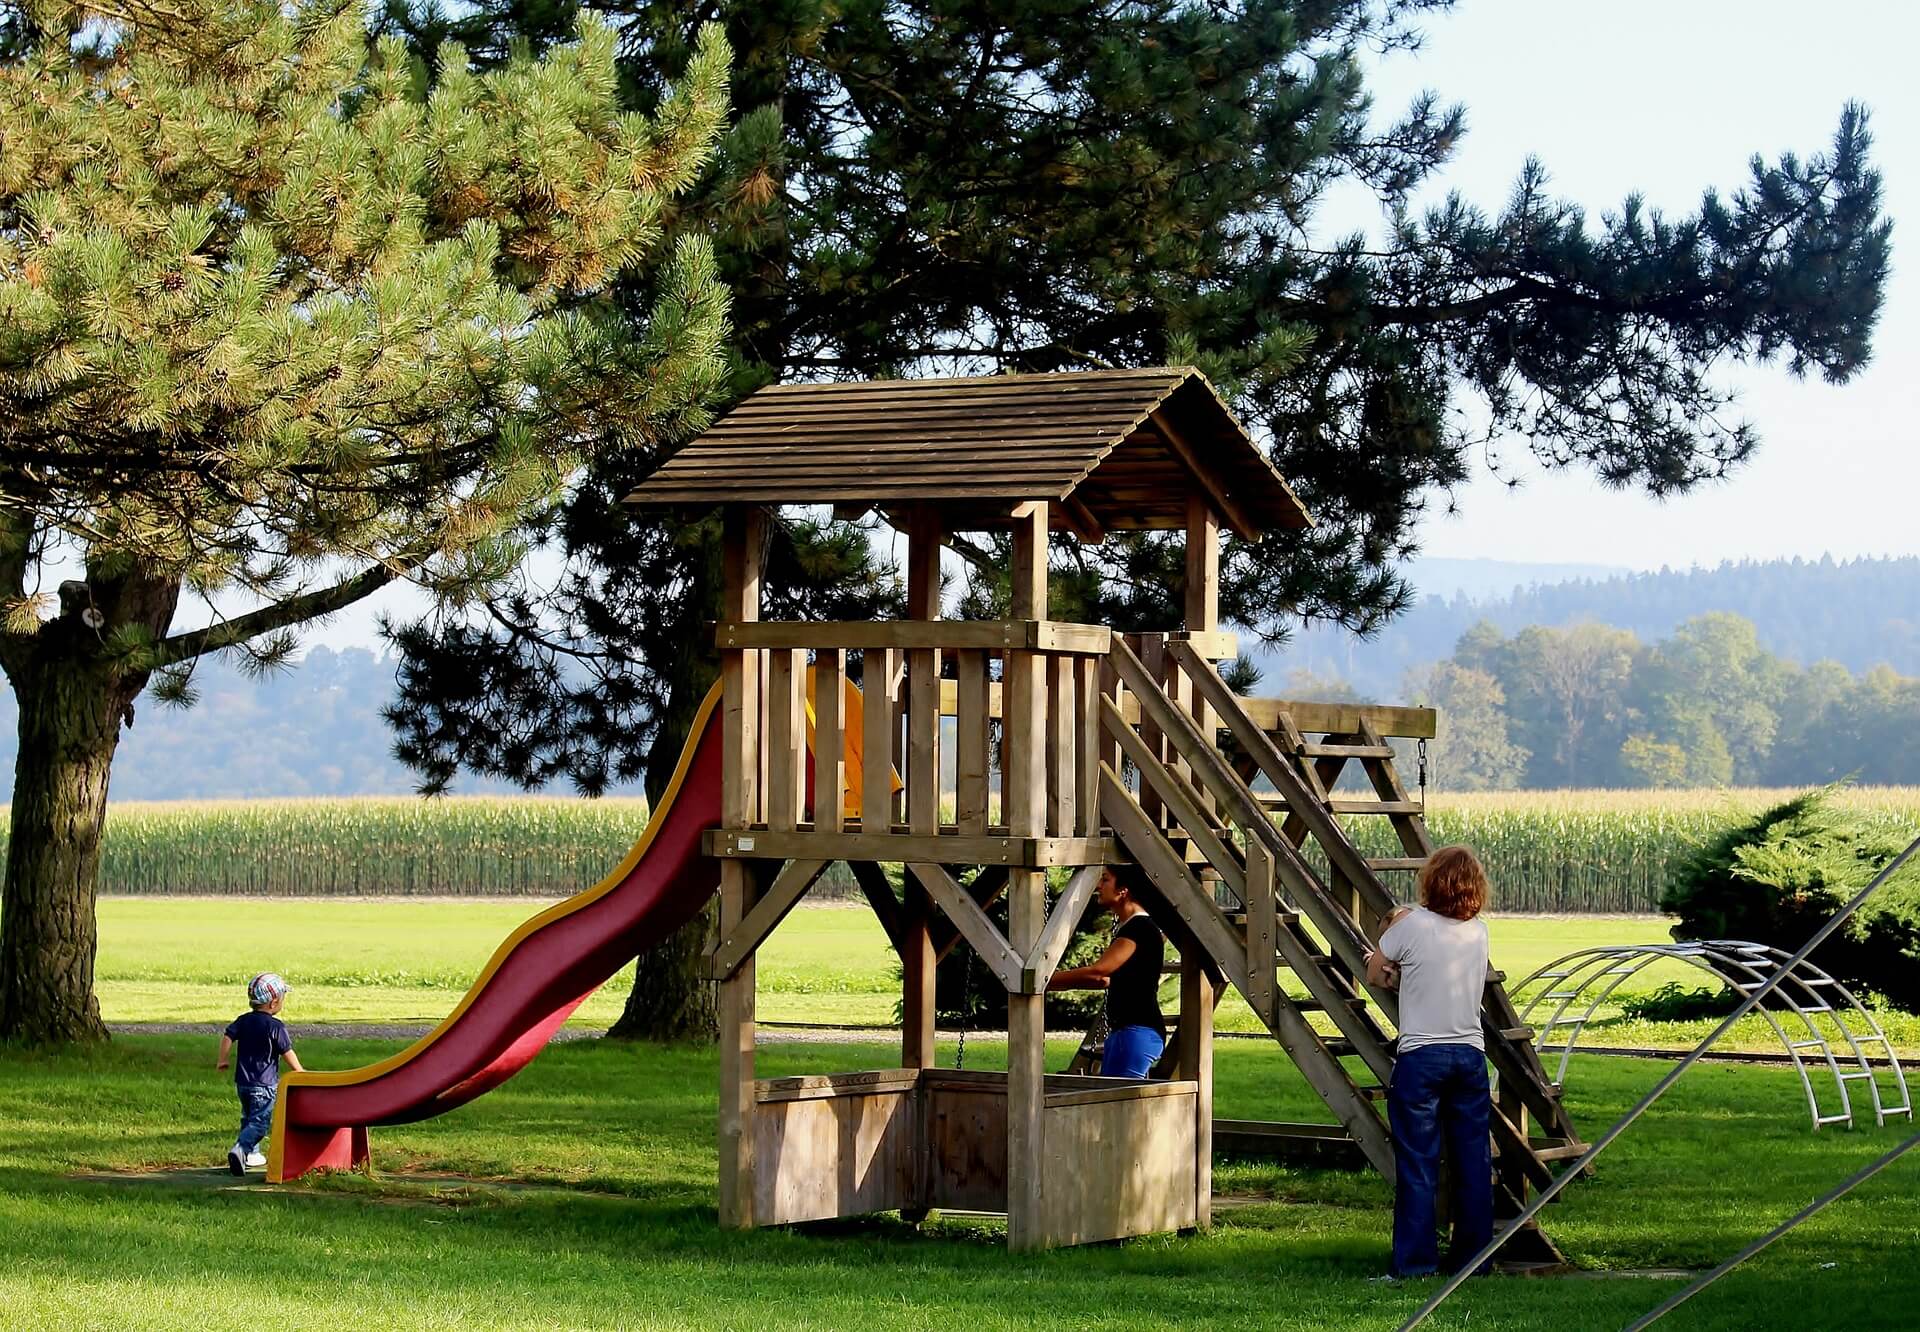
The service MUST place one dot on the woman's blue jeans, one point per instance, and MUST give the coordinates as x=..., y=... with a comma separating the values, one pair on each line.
x=1130, y=1052
x=1437, y=1099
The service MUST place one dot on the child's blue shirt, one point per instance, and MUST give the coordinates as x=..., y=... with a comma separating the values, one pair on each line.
x=259, y=1040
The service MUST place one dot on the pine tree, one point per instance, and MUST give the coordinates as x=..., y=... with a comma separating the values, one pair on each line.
x=918, y=186
x=282, y=320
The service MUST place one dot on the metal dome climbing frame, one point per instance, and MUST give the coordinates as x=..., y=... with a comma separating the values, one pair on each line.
x=1580, y=982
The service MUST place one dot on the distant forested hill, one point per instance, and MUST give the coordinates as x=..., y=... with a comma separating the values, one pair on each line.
x=313, y=730
x=1860, y=613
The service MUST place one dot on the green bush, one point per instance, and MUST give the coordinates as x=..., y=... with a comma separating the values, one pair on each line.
x=1673, y=1002
x=1775, y=879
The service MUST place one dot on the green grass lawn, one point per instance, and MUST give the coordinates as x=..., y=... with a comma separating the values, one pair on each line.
x=617, y=1228
x=410, y=959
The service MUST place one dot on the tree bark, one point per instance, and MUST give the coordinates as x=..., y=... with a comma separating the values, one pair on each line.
x=73, y=695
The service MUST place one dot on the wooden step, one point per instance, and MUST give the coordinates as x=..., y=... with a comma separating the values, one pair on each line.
x=1518, y=1033
x=1284, y=919
x=1343, y=806
x=1395, y=862
x=1347, y=751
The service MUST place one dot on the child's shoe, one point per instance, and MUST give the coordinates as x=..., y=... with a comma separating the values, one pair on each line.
x=255, y=1161
x=236, y=1160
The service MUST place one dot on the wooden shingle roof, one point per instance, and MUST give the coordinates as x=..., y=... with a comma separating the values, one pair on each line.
x=1112, y=449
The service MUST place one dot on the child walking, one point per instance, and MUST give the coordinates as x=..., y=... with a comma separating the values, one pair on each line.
x=263, y=1042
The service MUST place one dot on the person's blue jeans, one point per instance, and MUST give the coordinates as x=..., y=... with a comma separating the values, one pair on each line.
x=1438, y=1098
x=1130, y=1052
x=256, y=1115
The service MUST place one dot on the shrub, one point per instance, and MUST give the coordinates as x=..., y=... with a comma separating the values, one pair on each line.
x=1776, y=878
x=1673, y=1002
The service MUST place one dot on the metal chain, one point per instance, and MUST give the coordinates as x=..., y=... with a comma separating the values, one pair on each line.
x=966, y=991
x=1423, y=772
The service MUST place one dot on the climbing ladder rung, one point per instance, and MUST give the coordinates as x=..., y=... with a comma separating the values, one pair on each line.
x=1346, y=751
x=1853, y=1075
x=1395, y=862
x=1562, y=994
x=1339, y=806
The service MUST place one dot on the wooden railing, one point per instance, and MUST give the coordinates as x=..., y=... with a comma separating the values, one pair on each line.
x=874, y=727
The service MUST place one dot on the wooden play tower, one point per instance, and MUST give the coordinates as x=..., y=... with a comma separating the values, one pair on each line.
x=1107, y=748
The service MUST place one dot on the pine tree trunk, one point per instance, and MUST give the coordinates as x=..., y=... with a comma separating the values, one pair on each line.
x=73, y=695
x=69, y=727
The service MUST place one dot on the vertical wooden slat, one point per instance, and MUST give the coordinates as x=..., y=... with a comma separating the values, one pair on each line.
x=876, y=732
x=829, y=740
x=786, y=740
x=1024, y=702
x=1088, y=745
x=923, y=675
x=1109, y=751
x=970, y=742
x=744, y=535
x=897, y=732
x=1062, y=775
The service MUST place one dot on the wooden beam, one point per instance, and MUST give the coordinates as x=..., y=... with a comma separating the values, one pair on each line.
x=987, y=886
x=744, y=541
x=1203, y=567
x=1195, y=1037
x=944, y=848
x=972, y=922
x=786, y=740
x=829, y=740
x=785, y=892
x=877, y=718
x=1025, y=787
x=1067, y=910
x=1020, y=634
x=1241, y=521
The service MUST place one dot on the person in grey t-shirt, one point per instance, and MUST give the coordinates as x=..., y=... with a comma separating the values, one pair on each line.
x=1436, y=956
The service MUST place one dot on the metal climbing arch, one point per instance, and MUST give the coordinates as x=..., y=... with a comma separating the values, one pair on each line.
x=1577, y=984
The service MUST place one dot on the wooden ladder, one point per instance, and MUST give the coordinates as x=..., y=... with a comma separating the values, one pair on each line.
x=1195, y=812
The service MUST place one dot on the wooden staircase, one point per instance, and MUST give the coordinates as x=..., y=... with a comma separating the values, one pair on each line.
x=1230, y=865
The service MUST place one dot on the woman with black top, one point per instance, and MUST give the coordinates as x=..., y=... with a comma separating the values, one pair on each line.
x=1129, y=971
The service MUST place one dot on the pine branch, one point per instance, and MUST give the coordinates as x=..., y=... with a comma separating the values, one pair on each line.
x=281, y=615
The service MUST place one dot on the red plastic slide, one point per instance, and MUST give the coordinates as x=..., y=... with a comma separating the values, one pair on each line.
x=530, y=985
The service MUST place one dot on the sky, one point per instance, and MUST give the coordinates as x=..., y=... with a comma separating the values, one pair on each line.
x=1668, y=99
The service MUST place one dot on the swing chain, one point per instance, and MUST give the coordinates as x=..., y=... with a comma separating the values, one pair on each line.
x=1423, y=772
x=966, y=993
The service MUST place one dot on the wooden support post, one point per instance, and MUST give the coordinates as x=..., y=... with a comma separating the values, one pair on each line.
x=1195, y=1039
x=1202, y=610
x=745, y=537
x=1023, y=703
x=917, y=961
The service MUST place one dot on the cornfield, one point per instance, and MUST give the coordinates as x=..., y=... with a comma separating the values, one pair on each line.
x=1555, y=851
x=478, y=846
x=1594, y=851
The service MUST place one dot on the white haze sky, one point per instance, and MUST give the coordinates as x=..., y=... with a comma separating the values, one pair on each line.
x=1667, y=98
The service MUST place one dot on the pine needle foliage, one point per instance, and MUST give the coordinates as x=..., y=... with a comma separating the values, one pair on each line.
x=288, y=313
x=275, y=303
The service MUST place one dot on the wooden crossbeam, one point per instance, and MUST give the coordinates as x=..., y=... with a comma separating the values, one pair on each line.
x=986, y=887
x=972, y=921
x=795, y=877
x=1058, y=934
